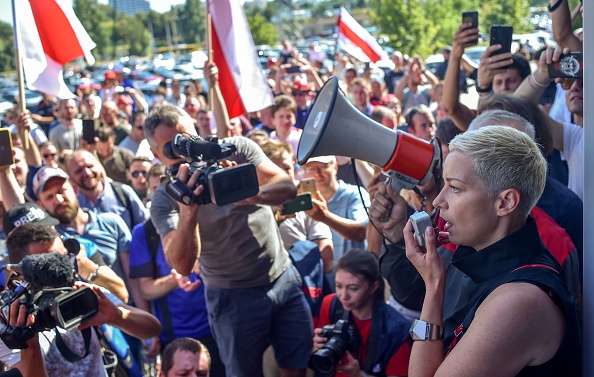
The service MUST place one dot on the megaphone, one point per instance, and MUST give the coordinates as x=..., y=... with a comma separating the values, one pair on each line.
x=336, y=127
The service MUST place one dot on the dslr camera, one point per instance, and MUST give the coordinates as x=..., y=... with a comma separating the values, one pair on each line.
x=342, y=336
x=46, y=291
x=222, y=186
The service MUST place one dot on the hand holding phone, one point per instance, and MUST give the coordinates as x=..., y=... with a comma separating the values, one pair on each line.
x=569, y=66
x=89, y=130
x=293, y=69
x=472, y=18
x=308, y=185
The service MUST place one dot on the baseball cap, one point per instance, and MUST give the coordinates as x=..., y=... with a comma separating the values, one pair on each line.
x=26, y=213
x=43, y=176
x=110, y=75
x=125, y=100
x=322, y=159
x=301, y=86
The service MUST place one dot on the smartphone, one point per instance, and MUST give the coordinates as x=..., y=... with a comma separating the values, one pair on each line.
x=301, y=203
x=570, y=66
x=471, y=17
x=308, y=185
x=89, y=130
x=502, y=35
x=293, y=69
x=6, y=157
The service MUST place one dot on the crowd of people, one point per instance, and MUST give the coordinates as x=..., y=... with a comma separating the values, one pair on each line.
x=339, y=288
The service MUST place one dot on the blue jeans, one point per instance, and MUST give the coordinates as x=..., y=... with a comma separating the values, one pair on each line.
x=245, y=321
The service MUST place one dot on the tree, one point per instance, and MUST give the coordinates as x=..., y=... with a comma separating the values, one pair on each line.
x=193, y=21
x=132, y=31
x=511, y=12
x=7, y=62
x=92, y=16
x=263, y=32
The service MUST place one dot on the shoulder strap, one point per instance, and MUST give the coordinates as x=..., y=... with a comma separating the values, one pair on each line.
x=152, y=241
x=122, y=197
x=67, y=352
x=337, y=311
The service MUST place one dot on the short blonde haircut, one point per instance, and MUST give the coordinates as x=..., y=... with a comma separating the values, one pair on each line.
x=504, y=158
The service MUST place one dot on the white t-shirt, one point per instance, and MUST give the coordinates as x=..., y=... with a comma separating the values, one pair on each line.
x=302, y=227
x=573, y=153
x=559, y=110
x=292, y=139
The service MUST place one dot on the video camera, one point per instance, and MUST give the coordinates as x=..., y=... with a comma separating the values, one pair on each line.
x=46, y=291
x=222, y=186
x=342, y=336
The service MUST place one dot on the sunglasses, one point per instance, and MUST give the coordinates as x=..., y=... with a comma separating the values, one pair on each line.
x=135, y=174
x=48, y=155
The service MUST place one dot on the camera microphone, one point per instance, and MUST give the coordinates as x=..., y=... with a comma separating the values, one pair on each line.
x=48, y=270
x=182, y=146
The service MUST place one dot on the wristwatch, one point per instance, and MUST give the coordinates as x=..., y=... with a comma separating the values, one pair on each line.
x=421, y=330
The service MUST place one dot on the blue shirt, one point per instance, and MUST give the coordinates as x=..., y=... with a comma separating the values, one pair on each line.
x=108, y=201
x=347, y=203
x=182, y=314
x=109, y=232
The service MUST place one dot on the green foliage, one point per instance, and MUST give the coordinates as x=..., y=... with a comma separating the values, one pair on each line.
x=93, y=15
x=193, y=21
x=131, y=31
x=6, y=48
x=263, y=32
x=424, y=26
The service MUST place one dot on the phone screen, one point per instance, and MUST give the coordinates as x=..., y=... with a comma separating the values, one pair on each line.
x=6, y=157
x=89, y=131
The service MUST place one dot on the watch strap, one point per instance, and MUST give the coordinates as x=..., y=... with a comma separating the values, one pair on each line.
x=421, y=330
x=483, y=90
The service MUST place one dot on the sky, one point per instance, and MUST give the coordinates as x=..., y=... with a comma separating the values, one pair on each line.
x=157, y=5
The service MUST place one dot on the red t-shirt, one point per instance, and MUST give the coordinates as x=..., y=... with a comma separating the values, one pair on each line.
x=398, y=364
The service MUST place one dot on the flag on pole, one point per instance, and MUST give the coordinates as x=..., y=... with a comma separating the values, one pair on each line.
x=355, y=40
x=243, y=85
x=49, y=35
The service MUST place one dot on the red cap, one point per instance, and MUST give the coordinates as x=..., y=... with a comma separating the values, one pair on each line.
x=301, y=86
x=110, y=75
x=125, y=100
x=271, y=62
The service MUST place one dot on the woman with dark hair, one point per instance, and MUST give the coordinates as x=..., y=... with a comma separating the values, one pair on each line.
x=378, y=342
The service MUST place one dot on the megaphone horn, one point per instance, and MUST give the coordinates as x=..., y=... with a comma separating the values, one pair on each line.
x=336, y=127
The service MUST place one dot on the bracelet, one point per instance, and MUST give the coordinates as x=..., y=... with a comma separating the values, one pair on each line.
x=484, y=90
x=94, y=275
x=555, y=6
x=537, y=83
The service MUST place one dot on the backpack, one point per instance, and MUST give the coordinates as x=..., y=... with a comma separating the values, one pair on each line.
x=123, y=199
x=152, y=241
x=306, y=257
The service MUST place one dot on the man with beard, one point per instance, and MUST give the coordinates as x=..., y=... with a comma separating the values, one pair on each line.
x=98, y=194
x=66, y=135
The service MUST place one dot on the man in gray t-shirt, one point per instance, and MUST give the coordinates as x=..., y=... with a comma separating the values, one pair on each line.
x=253, y=293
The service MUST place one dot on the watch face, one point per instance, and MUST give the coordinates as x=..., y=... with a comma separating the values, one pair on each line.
x=418, y=330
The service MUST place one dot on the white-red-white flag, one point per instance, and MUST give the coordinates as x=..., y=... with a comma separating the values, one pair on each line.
x=241, y=79
x=355, y=40
x=49, y=35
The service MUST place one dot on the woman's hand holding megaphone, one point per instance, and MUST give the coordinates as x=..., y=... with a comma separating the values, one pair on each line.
x=388, y=212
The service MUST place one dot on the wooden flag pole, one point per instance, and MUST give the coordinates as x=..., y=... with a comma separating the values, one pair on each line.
x=210, y=50
x=20, y=76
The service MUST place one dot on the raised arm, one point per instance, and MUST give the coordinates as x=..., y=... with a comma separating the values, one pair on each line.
x=562, y=32
x=217, y=103
x=460, y=114
x=32, y=155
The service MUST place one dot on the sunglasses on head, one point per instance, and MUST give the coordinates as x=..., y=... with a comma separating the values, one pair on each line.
x=135, y=174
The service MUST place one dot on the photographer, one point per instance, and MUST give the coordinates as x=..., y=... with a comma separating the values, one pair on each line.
x=381, y=344
x=43, y=239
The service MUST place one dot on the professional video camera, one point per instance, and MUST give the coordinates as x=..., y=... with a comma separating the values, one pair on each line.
x=46, y=291
x=222, y=186
x=342, y=336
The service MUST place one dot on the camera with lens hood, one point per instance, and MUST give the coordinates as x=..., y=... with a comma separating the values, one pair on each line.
x=222, y=185
x=46, y=291
x=342, y=336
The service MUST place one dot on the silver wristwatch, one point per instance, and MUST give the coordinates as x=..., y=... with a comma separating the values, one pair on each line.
x=421, y=330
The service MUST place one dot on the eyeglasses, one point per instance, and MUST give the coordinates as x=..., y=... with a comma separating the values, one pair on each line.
x=48, y=155
x=135, y=174
x=316, y=168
